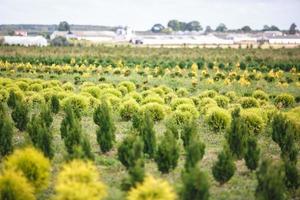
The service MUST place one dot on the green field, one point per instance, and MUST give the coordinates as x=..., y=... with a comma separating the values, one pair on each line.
x=173, y=87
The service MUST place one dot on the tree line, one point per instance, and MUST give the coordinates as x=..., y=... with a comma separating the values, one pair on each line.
x=176, y=25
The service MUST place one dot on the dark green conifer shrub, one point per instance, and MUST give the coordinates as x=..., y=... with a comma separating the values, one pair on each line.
x=224, y=168
x=106, y=131
x=194, y=153
x=237, y=135
x=195, y=185
x=284, y=134
x=167, y=154
x=130, y=150
x=6, y=133
x=136, y=174
x=292, y=176
x=20, y=115
x=189, y=131
x=148, y=135
x=12, y=100
x=55, y=104
x=270, y=177
x=40, y=135
x=252, y=153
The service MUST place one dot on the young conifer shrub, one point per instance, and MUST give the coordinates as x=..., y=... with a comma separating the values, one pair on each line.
x=195, y=185
x=20, y=115
x=148, y=135
x=14, y=186
x=54, y=102
x=130, y=150
x=40, y=135
x=252, y=153
x=12, y=99
x=106, y=131
x=237, y=135
x=292, y=176
x=224, y=168
x=6, y=133
x=46, y=115
x=79, y=180
x=71, y=132
x=32, y=164
x=194, y=153
x=167, y=153
x=136, y=175
x=270, y=177
x=189, y=132
x=152, y=189
x=284, y=134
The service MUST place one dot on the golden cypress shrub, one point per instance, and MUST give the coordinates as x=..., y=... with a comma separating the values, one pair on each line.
x=129, y=85
x=79, y=180
x=32, y=164
x=152, y=189
x=14, y=186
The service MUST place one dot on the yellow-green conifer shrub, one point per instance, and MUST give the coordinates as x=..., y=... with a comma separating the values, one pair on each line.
x=217, y=118
x=129, y=85
x=14, y=186
x=178, y=101
x=156, y=111
x=153, y=99
x=152, y=189
x=77, y=102
x=79, y=180
x=32, y=164
x=128, y=109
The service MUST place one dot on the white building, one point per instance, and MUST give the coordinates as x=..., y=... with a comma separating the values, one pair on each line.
x=284, y=40
x=25, y=40
x=183, y=39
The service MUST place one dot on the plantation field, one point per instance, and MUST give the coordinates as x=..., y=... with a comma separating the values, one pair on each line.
x=171, y=114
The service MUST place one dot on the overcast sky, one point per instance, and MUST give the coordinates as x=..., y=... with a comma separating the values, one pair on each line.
x=142, y=14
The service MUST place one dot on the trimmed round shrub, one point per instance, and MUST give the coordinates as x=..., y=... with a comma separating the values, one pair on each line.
x=222, y=101
x=284, y=100
x=128, y=108
x=231, y=95
x=4, y=95
x=208, y=93
x=34, y=99
x=14, y=186
x=122, y=89
x=153, y=99
x=207, y=100
x=178, y=101
x=22, y=85
x=36, y=87
x=253, y=119
x=152, y=189
x=261, y=95
x=134, y=95
x=158, y=91
x=68, y=86
x=93, y=90
x=217, y=118
x=188, y=108
x=129, y=85
x=182, y=92
x=178, y=118
x=77, y=102
x=156, y=111
x=111, y=91
x=248, y=102
x=32, y=164
x=79, y=180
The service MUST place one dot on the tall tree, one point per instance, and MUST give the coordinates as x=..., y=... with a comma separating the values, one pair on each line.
x=174, y=25
x=193, y=26
x=221, y=28
x=246, y=29
x=292, y=29
x=157, y=28
x=64, y=26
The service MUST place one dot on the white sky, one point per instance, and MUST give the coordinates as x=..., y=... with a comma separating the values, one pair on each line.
x=142, y=14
